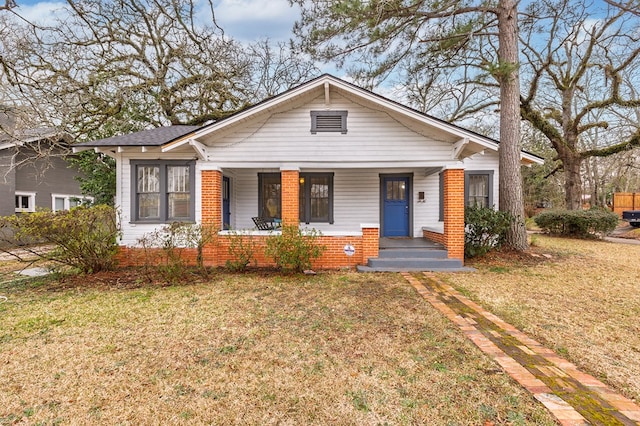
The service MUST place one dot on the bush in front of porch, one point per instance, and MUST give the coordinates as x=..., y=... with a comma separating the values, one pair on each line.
x=295, y=248
x=485, y=229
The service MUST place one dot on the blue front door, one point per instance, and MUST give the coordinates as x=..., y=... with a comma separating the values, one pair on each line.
x=395, y=209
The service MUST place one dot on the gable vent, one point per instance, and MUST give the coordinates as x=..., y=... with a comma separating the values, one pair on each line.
x=329, y=121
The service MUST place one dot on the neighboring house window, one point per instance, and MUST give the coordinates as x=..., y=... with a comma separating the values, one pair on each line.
x=315, y=202
x=66, y=202
x=25, y=202
x=329, y=121
x=163, y=191
x=478, y=188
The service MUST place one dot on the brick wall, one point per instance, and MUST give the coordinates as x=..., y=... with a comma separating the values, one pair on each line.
x=217, y=253
x=290, y=196
x=454, y=212
x=211, y=198
x=435, y=236
x=370, y=243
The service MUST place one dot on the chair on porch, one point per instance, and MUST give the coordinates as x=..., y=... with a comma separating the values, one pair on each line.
x=266, y=223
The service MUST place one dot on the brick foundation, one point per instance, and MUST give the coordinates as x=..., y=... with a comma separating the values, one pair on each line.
x=217, y=254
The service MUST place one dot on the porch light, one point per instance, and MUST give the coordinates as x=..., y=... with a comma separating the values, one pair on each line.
x=301, y=181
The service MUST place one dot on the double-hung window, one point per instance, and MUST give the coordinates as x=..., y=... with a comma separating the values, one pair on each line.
x=163, y=191
x=25, y=202
x=315, y=196
x=478, y=188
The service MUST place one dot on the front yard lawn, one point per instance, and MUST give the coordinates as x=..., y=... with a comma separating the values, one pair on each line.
x=333, y=349
x=584, y=303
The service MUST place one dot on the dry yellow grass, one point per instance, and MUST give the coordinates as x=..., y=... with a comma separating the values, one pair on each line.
x=335, y=349
x=584, y=303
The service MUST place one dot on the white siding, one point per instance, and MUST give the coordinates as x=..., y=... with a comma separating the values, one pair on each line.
x=284, y=138
x=425, y=214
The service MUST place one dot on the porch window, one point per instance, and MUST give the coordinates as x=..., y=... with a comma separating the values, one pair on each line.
x=315, y=202
x=163, y=191
x=269, y=195
x=478, y=188
x=316, y=197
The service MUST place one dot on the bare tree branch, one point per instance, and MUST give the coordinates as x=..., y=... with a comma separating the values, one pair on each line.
x=8, y=4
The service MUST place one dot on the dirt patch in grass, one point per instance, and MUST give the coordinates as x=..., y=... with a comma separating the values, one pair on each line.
x=583, y=301
x=245, y=349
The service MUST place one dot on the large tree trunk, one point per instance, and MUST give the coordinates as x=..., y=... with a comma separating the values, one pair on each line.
x=573, y=181
x=511, y=196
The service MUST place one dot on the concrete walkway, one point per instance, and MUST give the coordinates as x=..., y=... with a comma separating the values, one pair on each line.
x=573, y=397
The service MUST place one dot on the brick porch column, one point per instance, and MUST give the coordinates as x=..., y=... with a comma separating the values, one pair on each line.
x=290, y=179
x=370, y=241
x=211, y=199
x=454, y=212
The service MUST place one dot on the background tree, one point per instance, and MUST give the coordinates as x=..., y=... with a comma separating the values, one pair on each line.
x=126, y=65
x=580, y=77
x=108, y=67
x=422, y=36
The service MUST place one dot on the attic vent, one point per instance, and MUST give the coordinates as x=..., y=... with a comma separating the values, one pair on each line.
x=328, y=121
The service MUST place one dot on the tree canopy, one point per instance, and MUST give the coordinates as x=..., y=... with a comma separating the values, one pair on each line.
x=426, y=39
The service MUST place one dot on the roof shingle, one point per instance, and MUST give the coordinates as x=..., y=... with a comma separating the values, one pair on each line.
x=152, y=137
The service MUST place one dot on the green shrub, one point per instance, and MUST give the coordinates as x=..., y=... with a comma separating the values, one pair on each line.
x=294, y=249
x=485, y=230
x=173, y=239
x=83, y=237
x=242, y=248
x=577, y=223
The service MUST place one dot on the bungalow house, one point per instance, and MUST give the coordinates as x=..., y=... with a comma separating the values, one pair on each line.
x=34, y=172
x=363, y=170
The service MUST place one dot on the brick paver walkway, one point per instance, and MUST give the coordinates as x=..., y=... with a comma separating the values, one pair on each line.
x=573, y=397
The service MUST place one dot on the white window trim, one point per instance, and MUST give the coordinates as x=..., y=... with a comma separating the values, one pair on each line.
x=32, y=202
x=67, y=200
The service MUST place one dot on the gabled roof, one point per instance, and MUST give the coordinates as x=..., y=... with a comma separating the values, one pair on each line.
x=466, y=142
x=34, y=135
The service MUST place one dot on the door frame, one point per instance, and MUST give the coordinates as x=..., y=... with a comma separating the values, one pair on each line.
x=409, y=177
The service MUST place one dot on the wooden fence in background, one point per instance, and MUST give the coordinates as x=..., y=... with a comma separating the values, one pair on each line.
x=626, y=201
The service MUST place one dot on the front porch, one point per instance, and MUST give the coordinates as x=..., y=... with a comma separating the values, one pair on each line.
x=442, y=249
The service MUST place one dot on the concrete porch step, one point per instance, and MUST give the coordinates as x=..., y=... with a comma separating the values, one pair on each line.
x=413, y=262
x=364, y=268
x=413, y=259
x=399, y=253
